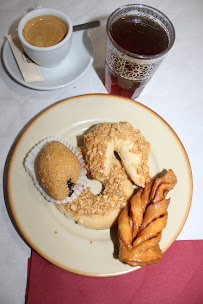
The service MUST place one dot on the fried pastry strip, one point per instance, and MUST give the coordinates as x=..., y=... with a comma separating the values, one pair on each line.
x=141, y=223
x=162, y=186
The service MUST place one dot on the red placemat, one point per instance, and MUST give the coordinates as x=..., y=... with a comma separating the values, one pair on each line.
x=178, y=278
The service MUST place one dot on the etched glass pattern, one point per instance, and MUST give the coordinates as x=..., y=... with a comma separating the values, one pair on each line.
x=128, y=67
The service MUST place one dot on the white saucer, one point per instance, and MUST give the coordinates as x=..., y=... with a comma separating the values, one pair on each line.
x=71, y=69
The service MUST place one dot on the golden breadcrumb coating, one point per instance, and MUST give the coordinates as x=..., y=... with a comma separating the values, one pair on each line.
x=117, y=190
x=58, y=170
x=101, y=142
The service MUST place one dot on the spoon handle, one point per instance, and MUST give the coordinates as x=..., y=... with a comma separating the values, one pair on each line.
x=85, y=26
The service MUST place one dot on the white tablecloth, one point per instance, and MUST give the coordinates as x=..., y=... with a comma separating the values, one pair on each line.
x=174, y=93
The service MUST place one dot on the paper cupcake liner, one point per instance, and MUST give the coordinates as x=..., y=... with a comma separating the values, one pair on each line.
x=30, y=168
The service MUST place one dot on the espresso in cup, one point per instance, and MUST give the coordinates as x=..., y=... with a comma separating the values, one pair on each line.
x=45, y=30
x=46, y=36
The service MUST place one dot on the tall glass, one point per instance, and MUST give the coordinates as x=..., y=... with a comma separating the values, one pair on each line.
x=130, y=64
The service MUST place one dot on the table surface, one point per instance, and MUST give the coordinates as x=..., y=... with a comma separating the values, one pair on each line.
x=173, y=92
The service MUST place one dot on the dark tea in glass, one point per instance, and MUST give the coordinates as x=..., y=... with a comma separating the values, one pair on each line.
x=137, y=41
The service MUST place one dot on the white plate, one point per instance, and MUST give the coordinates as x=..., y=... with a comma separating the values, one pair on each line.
x=61, y=241
x=71, y=69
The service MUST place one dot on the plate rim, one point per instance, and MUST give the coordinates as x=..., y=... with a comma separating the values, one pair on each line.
x=45, y=88
x=27, y=239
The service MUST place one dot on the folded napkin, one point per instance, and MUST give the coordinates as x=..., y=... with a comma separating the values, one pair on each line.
x=178, y=278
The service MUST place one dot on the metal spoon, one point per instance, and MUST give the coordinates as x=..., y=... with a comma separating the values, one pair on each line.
x=86, y=26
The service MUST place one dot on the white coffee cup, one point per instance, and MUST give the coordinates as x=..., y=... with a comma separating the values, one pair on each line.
x=46, y=56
